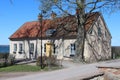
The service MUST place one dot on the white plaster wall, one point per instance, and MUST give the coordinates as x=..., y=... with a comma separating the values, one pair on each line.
x=63, y=47
x=98, y=43
x=17, y=55
x=67, y=46
x=26, y=53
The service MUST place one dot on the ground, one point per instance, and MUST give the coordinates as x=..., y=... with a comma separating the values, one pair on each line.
x=71, y=71
x=6, y=75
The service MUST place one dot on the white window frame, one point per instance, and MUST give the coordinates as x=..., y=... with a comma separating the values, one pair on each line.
x=72, y=49
x=15, y=47
x=32, y=47
x=20, y=47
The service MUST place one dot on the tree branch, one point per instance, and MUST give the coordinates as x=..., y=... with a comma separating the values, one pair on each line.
x=71, y=2
x=62, y=10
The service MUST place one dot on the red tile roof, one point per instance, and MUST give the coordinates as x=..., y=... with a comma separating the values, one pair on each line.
x=32, y=29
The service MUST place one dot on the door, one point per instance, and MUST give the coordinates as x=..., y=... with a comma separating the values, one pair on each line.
x=49, y=49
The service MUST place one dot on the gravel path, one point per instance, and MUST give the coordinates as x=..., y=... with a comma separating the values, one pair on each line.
x=7, y=75
x=72, y=71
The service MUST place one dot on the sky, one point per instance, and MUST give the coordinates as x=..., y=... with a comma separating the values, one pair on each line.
x=13, y=16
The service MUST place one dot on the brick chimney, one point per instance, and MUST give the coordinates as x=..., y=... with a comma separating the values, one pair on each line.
x=53, y=15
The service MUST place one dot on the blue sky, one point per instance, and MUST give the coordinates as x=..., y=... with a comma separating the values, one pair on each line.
x=12, y=16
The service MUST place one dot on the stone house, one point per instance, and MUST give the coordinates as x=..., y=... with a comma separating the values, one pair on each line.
x=57, y=38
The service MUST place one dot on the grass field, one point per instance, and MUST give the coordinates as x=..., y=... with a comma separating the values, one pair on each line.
x=20, y=68
x=26, y=68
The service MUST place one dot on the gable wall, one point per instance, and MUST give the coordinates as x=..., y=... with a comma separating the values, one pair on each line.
x=97, y=47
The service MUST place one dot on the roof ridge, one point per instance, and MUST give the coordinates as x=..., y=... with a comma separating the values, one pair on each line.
x=48, y=23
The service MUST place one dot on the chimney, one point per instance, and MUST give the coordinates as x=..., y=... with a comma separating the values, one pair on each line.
x=53, y=15
x=77, y=11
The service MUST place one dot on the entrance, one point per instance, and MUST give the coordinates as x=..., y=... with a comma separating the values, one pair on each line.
x=49, y=49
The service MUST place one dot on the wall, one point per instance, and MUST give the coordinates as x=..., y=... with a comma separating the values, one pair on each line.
x=97, y=46
x=26, y=51
x=62, y=47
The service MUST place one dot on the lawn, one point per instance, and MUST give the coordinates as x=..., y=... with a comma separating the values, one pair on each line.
x=26, y=68
x=20, y=68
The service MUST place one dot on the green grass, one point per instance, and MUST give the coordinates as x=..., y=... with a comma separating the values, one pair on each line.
x=20, y=68
x=26, y=68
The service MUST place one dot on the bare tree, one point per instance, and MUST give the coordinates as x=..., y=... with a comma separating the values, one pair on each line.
x=80, y=7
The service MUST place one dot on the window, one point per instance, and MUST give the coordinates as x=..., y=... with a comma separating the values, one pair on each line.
x=54, y=48
x=72, y=50
x=32, y=47
x=20, y=47
x=72, y=46
x=99, y=31
x=44, y=47
x=105, y=34
x=15, y=47
x=50, y=32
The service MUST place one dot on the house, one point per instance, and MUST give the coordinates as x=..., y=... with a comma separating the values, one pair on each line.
x=57, y=38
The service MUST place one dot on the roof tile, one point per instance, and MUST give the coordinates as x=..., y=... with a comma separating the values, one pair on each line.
x=32, y=29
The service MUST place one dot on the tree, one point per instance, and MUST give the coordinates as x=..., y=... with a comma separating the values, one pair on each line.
x=81, y=7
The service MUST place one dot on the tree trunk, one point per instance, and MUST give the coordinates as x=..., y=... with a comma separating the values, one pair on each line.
x=80, y=33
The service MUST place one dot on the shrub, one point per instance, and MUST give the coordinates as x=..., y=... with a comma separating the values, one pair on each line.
x=44, y=63
x=1, y=65
x=47, y=61
x=3, y=59
x=11, y=59
x=4, y=55
x=51, y=60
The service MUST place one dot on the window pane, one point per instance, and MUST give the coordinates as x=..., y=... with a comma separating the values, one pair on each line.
x=99, y=31
x=54, y=49
x=32, y=47
x=44, y=47
x=72, y=46
x=72, y=49
x=15, y=47
x=20, y=47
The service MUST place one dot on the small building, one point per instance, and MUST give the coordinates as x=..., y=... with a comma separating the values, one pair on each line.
x=26, y=40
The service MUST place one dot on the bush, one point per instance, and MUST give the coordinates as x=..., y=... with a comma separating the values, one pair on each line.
x=3, y=59
x=44, y=63
x=11, y=59
x=52, y=60
x=6, y=60
x=3, y=64
x=4, y=55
